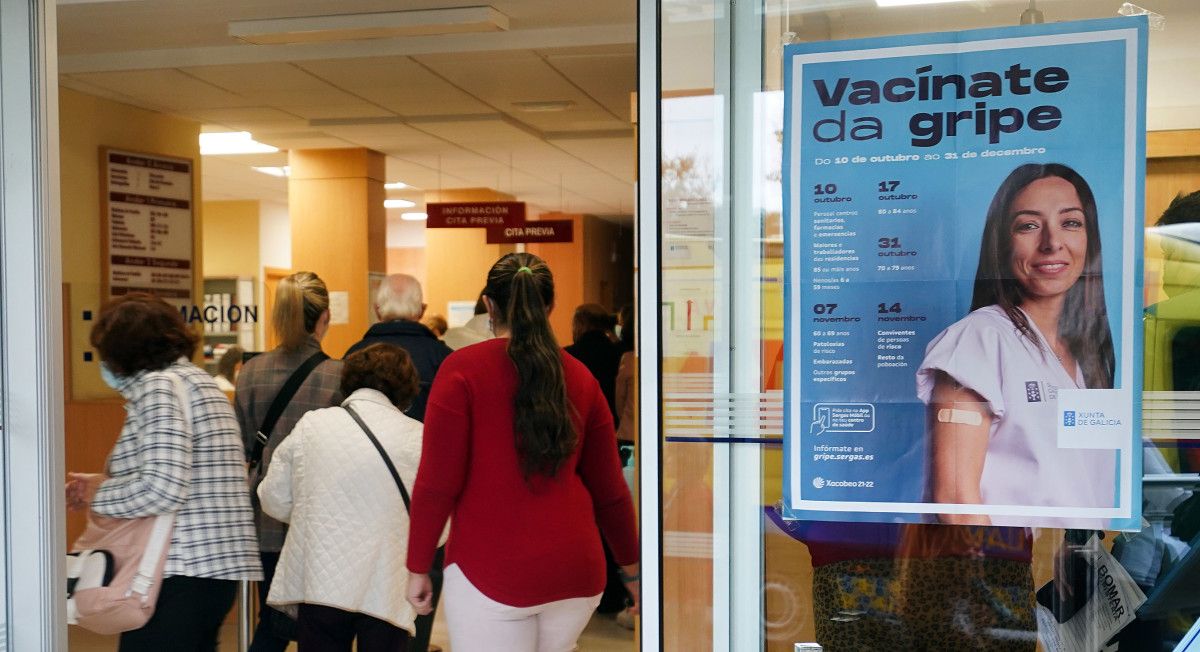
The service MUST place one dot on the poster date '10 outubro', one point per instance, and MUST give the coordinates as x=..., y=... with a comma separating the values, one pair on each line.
x=963, y=220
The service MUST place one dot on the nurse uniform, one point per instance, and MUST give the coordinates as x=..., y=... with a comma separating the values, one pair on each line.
x=1019, y=381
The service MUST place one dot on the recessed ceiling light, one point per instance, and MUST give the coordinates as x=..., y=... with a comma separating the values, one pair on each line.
x=905, y=3
x=275, y=171
x=397, y=203
x=395, y=185
x=232, y=142
x=413, y=217
x=544, y=106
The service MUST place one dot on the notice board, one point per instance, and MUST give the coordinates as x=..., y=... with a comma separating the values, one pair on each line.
x=147, y=225
x=963, y=222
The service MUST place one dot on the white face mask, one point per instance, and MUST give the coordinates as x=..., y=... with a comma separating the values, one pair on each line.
x=110, y=378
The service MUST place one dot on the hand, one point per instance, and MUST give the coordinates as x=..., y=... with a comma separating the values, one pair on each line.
x=631, y=578
x=420, y=593
x=821, y=424
x=81, y=487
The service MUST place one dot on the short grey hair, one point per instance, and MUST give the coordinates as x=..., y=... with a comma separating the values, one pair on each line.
x=399, y=297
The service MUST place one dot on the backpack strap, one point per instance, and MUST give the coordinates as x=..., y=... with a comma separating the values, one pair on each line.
x=280, y=403
x=386, y=460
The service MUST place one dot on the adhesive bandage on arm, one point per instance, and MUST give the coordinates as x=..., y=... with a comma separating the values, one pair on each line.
x=954, y=415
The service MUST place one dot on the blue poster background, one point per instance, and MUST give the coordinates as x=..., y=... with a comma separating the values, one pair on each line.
x=888, y=231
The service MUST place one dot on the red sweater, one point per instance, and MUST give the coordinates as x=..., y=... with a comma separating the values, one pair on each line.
x=521, y=544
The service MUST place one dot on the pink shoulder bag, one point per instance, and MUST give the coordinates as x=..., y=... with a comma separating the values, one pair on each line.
x=115, y=568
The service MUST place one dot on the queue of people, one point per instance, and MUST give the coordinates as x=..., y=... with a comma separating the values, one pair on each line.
x=344, y=486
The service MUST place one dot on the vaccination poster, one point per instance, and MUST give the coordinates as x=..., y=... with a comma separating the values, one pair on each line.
x=963, y=220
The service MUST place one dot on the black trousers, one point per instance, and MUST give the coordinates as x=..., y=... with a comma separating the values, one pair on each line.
x=274, y=631
x=187, y=616
x=326, y=629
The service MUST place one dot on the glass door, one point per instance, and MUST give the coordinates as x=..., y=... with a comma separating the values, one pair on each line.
x=735, y=574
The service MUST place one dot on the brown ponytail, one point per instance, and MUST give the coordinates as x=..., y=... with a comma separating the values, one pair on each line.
x=299, y=301
x=522, y=290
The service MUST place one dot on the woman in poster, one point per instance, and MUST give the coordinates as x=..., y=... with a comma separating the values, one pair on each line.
x=1038, y=323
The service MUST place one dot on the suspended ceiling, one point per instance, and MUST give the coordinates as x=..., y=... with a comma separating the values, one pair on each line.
x=447, y=110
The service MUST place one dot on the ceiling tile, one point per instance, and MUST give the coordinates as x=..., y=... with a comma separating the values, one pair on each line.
x=613, y=155
x=398, y=83
x=254, y=78
x=166, y=88
x=609, y=79
x=503, y=79
x=254, y=119
x=347, y=111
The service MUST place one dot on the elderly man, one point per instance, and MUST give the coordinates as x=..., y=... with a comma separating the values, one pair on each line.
x=398, y=304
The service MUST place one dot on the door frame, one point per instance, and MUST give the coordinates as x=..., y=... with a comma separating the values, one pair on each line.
x=31, y=364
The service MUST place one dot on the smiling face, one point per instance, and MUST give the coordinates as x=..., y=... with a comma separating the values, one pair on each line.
x=1049, y=238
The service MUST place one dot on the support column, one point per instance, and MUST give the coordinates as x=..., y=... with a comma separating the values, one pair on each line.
x=339, y=230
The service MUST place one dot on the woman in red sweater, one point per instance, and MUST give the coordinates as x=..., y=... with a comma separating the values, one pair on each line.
x=519, y=453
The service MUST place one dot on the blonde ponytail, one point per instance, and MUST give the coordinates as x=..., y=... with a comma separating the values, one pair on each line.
x=299, y=301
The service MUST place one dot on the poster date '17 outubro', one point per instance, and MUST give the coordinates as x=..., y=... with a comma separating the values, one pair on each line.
x=963, y=219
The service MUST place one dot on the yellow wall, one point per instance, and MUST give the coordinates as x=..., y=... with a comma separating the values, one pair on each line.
x=87, y=123
x=231, y=238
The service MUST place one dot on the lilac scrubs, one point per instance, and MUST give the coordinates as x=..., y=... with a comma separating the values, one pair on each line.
x=1019, y=381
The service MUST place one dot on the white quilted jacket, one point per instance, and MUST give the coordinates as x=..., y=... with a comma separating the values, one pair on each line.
x=348, y=530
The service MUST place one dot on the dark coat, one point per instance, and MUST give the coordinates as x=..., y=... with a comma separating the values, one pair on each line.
x=426, y=350
x=602, y=357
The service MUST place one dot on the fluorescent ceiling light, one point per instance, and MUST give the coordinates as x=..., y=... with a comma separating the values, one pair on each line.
x=232, y=142
x=906, y=3
x=413, y=217
x=397, y=203
x=273, y=170
x=395, y=185
x=350, y=27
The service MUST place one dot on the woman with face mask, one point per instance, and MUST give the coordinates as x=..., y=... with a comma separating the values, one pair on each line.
x=162, y=465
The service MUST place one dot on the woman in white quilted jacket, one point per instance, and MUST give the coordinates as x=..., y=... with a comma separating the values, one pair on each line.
x=341, y=570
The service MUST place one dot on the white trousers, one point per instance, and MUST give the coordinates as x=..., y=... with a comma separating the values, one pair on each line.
x=480, y=624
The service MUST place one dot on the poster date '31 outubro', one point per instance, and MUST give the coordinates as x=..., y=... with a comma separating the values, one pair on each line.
x=963, y=220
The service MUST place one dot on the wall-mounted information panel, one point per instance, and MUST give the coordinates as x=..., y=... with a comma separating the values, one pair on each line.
x=963, y=221
x=147, y=222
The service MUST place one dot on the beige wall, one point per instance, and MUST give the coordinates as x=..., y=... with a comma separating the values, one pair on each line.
x=87, y=123
x=457, y=260
x=584, y=270
x=231, y=238
x=411, y=261
x=568, y=265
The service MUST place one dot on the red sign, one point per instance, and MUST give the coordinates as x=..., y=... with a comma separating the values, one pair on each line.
x=540, y=231
x=474, y=215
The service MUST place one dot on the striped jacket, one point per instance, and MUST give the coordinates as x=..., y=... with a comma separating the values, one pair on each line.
x=158, y=466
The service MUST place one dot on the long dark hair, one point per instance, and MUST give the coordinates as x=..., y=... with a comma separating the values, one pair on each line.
x=1083, y=324
x=521, y=288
